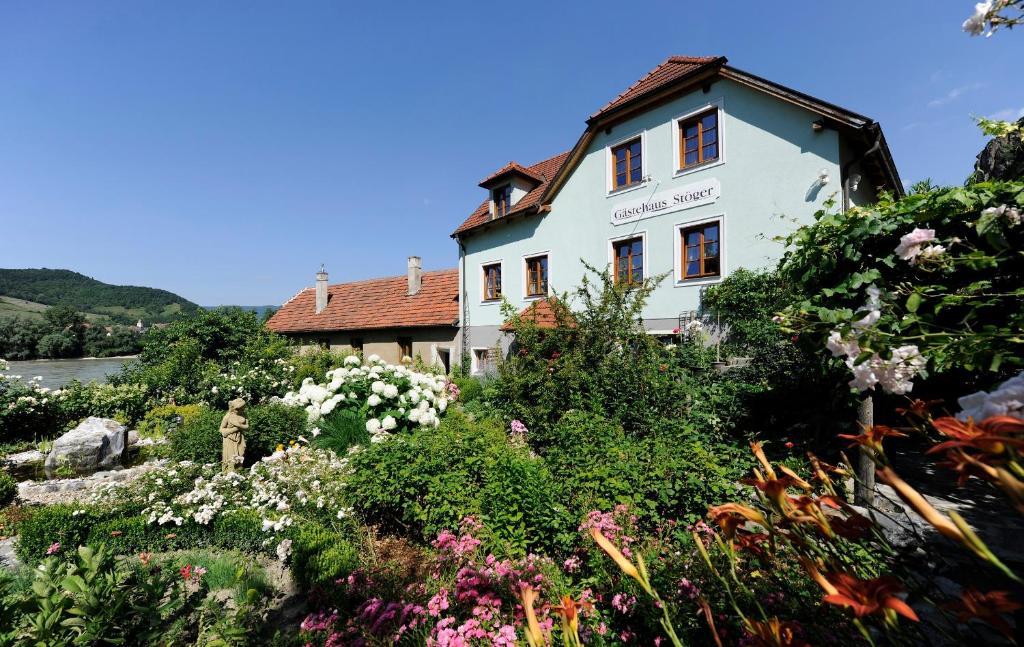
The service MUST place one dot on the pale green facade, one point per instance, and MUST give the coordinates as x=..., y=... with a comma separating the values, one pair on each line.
x=774, y=171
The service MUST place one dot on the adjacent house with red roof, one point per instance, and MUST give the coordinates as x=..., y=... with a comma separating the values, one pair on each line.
x=411, y=315
x=691, y=172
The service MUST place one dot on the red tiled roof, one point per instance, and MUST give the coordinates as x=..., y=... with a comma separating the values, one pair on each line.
x=674, y=67
x=509, y=169
x=544, y=170
x=539, y=312
x=374, y=303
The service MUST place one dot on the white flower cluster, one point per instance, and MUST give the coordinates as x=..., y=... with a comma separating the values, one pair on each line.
x=975, y=24
x=298, y=479
x=912, y=246
x=390, y=397
x=893, y=374
x=1006, y=400
x=1010, y=214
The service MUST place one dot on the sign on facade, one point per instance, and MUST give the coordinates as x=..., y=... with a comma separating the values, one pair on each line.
x=691, y=195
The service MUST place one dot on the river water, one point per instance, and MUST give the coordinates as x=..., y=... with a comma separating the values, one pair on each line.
x=58, y=372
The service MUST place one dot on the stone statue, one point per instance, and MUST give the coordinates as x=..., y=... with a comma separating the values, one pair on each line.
x=231, y=428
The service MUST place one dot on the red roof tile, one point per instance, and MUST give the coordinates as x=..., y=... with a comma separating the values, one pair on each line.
x=544, y=170
x=510, y=169
x=540, y=313
x=374, y=303
x=674, y=67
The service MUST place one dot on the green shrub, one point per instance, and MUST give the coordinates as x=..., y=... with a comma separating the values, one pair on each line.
x=471, y=388
x=66, y=524
x=341, y=429
x=241, y=530
x=672, y=474
x=159, y=420
x=271, y=425
x=315, y=363
x=427, y=481
x=321, y=556
x=8, y=488
x=199, y=438
x=520, y=504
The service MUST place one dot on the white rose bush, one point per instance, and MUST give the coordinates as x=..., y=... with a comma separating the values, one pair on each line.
x=390, y=398
x=913, y=286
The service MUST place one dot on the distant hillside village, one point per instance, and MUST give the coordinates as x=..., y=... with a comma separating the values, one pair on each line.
x=689, y=173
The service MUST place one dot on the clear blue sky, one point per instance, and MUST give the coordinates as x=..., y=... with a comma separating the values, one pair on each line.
x=224, y=150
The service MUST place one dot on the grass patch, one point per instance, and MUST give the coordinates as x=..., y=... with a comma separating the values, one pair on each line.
x=226, y=570
x=340, y=430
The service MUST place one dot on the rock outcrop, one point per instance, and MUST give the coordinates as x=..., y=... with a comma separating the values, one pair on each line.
x=96, y=443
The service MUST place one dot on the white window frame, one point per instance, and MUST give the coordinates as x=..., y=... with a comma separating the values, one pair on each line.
x=642, y=235
x=608, y=164
x=723, y=266
x=474, y=364
x=484, y=301
x=526, y=278
x=677, y=162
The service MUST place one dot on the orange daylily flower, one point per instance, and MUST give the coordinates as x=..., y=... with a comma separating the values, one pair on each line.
x=751, y=541
x=986, y=607
x=608, y=547
x=799, y=482
x=990, y=436
x=534, y=636
x=918, y=407
x=812, y=570
x=866, y=597
x=761, y=458
x=729, y=516
x=804, y=509
x=773, y=488
x=569, y=612
x=774, y=633
x=872, y=437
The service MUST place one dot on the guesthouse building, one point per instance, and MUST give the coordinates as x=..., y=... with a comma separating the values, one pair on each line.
x=693, y=171
x=413, y=316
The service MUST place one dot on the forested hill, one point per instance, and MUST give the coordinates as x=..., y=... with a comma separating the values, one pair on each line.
x=119, y=302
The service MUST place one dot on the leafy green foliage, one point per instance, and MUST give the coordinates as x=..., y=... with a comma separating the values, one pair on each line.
x=341, y=429
x=598, y=358
x=66, y=524
x=198, y=438
x=321, y=556
x=8, y=488
x=961, y=308
x=212, y=356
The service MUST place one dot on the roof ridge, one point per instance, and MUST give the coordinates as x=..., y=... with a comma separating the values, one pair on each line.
x=394, y=277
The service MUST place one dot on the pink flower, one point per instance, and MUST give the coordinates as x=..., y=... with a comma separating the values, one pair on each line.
x=572, y=564
x=54, y=548
x=910, y=245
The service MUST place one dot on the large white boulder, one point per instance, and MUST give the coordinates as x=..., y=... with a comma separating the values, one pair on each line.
x=96, y=443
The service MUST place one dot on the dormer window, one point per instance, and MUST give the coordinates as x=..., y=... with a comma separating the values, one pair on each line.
x=502, y=198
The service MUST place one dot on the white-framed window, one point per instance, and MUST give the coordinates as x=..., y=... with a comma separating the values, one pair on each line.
x=626, y=163
x=536, y=267
x=490, y=281
x=480, y=359
x=700, y=251
x=627, y=258
x=698, y=138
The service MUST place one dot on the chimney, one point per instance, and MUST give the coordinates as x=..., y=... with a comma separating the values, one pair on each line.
x=415, y=275
x=321, y=290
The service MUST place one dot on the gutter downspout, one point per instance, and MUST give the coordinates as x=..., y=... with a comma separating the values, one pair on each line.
x=844, y=172
x=464, y=309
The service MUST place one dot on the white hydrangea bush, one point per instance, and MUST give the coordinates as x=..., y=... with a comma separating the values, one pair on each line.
x=391, y=398
x=297, y=481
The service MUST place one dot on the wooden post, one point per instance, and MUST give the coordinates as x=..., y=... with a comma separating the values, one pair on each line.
x=864, y=486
